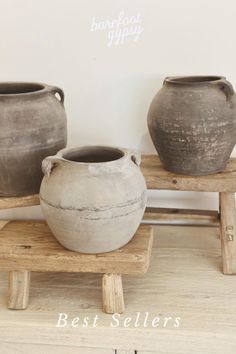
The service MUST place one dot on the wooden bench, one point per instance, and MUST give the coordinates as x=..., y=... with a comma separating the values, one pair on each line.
x=223, y=183
x=27, y=246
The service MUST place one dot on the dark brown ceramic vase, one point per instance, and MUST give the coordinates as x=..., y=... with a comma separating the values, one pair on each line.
x=32, y=126
x=192, y=123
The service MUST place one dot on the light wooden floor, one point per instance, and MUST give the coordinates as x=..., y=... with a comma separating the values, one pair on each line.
x=184, y=280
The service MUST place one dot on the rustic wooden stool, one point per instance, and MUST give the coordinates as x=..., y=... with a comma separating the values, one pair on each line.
x=27, y=246
x=224, y=183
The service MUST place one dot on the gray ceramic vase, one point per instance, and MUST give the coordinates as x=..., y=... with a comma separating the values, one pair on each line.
x=32, y=126
x=93, y=198
x=192, y=123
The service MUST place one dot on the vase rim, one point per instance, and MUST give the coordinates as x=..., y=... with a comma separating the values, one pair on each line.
x=22, y=88
x=193, y=80
x=93, y=155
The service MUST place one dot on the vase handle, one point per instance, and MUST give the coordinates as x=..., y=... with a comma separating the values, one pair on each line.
x=54, y=90
x=49, y=163
x=226, y=87
x=135, y=157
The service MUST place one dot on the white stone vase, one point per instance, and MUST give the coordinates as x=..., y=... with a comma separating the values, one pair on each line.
x=93, y=198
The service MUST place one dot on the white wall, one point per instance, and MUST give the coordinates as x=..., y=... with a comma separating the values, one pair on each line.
x=108, y=89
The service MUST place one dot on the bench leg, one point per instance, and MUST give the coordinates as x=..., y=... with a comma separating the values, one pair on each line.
x=228, y=232
x=19, y=285
x=112, y=293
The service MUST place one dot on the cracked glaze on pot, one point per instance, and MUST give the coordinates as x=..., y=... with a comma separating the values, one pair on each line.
x=32, y=126
x=192, y=123
x=93, y=198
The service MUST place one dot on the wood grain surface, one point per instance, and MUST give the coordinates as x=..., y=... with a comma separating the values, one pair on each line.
x=176, y=216
x=30, y=245
x=158, y=178
x=112, y=293
x=16, y=202
x=228, y=232
x=19, y=288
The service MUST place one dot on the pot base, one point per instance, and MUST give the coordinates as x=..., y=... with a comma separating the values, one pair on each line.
x=194, y=173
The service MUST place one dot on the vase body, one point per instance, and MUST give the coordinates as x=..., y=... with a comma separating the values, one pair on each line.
x=192, y=123
x=32, y=126
x=93, y=198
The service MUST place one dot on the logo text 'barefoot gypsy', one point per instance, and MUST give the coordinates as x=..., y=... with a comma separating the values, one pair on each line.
x=120, y=28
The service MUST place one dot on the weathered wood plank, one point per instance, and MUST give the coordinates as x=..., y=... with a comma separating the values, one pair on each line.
x=157, y=177
x=31, y=245
x=112, y=293
x=228, y=232
x=19, y=287
x=175, y=216
x=16, y=202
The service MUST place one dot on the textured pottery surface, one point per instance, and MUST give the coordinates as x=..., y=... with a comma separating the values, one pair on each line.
x=32, y=126
x=93, y=198
x=192, y=123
